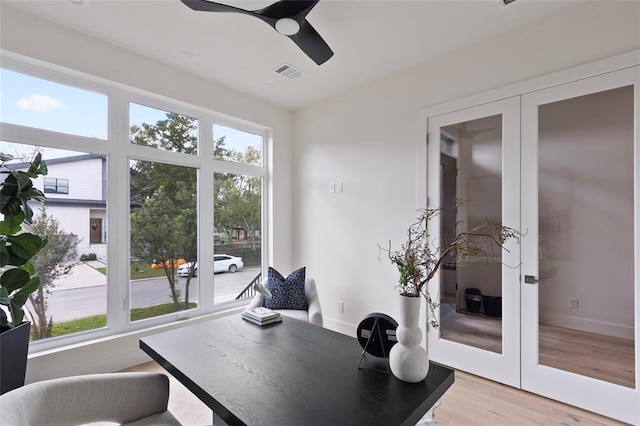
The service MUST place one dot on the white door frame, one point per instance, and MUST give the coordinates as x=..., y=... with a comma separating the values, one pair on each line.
x=595, y=395
x=502, y=367
x=425, y=197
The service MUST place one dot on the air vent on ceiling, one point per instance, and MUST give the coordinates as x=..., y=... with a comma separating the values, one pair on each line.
x=507, y=2
x=289, y=71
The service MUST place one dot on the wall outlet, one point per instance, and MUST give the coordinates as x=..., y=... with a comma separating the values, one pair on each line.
x=341, y=307
x=573, y=302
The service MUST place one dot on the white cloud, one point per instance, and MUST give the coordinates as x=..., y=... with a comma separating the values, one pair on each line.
x=41, y=103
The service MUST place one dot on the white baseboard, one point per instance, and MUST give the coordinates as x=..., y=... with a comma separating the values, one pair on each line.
x=339, y=326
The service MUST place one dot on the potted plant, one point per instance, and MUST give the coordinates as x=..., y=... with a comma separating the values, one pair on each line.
x=17, y=278
x=417, y=261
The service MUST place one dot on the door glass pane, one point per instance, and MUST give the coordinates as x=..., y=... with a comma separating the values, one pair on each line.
x=586, y=228
x=471, y=295
x=238, y=235
x=72, y=267
x=164, y=229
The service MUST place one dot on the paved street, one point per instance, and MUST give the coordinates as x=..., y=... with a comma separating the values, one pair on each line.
x=84, y=291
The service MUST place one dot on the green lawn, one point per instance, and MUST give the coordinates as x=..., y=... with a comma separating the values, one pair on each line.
x=139, y=270
x=99, y=321
x=77, y=325
x=143, y=270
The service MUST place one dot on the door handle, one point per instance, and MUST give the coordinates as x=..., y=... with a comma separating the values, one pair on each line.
x=530, y=279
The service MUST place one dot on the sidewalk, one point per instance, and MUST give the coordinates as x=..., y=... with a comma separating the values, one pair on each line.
x=81, y=275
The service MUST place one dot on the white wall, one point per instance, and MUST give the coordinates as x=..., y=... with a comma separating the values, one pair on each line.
x=368, y=140
x=85, y=179
x=24, y=34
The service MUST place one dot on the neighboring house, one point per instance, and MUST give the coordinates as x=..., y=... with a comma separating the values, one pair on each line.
x=76, y=191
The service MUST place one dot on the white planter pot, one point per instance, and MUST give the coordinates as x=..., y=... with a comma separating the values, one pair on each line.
x=408, y=360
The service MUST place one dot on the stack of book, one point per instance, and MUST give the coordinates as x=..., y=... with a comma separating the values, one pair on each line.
x=261, y=316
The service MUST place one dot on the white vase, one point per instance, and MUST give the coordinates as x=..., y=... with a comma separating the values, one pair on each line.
x=408, y=360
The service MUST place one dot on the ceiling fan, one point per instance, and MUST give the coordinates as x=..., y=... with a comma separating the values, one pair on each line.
x=288, y=17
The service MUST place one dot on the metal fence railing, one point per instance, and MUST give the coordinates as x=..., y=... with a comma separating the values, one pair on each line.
x=249, y=291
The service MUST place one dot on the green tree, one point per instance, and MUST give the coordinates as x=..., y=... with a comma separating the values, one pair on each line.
x=164, y=198
x=238, y=198
x=156, y=239
x=164, y=224
x=54, y=261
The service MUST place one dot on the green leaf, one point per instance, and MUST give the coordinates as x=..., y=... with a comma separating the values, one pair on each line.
x=37, y=167
x=29, y=288
x=4, y=296
x=25, y=245
x=33, y=194
x=28, y=266
x=23, y=180
x=11, y=224
x=17, y=314
x=4, y=321
x=14, y=279
x=28, y=213
x=4, y=254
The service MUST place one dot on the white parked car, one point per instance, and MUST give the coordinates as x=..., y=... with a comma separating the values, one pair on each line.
x=221, y=263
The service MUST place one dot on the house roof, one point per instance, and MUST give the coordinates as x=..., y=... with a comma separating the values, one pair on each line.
x=61, y=160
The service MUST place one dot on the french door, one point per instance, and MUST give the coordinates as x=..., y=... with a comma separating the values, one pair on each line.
x=580, y=212
x=562, y=165
x=482, y=146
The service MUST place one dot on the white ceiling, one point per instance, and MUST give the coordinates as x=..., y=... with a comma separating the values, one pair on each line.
x=371, y=39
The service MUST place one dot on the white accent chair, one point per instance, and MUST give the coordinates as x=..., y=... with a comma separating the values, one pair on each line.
x=123, y=398
x=312, y=315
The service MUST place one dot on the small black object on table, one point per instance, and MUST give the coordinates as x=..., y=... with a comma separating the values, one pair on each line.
x=376, y=333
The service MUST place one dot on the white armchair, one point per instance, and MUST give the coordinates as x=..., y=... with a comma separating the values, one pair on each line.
x=312, y=315
x=124, y=398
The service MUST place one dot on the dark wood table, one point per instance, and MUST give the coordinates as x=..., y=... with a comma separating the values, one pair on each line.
x=289, y=373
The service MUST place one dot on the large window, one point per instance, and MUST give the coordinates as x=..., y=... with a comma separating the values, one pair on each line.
x=164, y=229
x=238, y=225
x=148, y=195
x=72, y=297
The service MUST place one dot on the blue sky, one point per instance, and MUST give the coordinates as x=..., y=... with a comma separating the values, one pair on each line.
x=34, y=102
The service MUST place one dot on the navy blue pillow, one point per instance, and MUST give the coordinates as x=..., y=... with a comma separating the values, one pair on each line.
x=287, y=293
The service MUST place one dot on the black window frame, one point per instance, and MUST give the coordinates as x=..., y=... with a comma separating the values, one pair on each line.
x=56, y=187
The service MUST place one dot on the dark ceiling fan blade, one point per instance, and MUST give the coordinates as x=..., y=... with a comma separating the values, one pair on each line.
x=307, y=38
x=312, y=43
x=294, y=9
x=207, y=6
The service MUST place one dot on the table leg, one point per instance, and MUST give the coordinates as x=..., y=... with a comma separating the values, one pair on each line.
x=217, y=421
x=427, y=419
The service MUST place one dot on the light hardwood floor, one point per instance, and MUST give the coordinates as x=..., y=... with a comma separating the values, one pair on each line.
x=470, y=401
x=589, y=354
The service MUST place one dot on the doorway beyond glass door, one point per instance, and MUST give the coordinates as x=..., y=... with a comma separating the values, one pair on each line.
x=585, y=235
x=471, y=295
